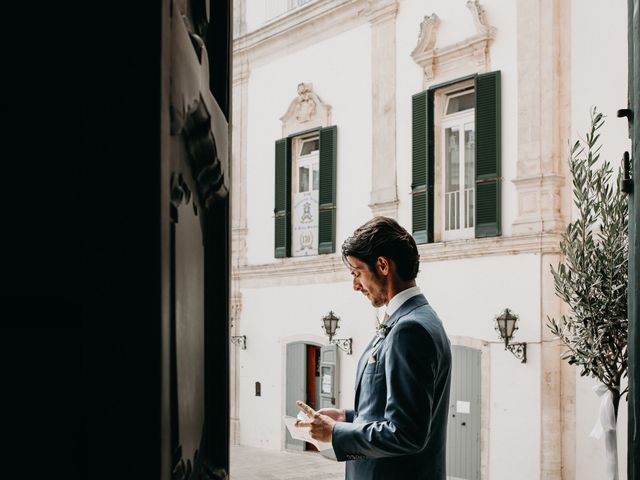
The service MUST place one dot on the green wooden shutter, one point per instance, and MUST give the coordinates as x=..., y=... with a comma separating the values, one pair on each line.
x=488, y=161
x=327, y=194
x=282, y=210
x=422, y=154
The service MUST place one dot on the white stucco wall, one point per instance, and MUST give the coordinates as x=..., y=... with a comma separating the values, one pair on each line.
x=468, y=293
x=514, y=442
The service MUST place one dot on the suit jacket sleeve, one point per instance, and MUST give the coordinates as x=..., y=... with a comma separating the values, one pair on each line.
x=349, y=414
x=410, y=370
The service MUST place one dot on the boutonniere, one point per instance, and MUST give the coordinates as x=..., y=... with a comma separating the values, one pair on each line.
x=382, y=330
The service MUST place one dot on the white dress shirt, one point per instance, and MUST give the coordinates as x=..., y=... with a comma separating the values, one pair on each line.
x=399, y=298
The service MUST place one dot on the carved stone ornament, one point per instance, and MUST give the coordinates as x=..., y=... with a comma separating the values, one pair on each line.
x=470, y=55
x=423, y=53
x=306, y=111
x=479, y=18
x=194, y=112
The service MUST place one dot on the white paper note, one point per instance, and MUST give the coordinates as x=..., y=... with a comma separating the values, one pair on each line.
x=302, y=433
x=463, y=407
x=326, y=383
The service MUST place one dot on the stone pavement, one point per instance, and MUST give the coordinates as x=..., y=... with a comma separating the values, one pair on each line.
x=249, y=463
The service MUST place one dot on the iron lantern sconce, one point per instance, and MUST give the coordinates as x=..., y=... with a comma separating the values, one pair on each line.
x=330, y=323
x=506, y=326
x=240, y=340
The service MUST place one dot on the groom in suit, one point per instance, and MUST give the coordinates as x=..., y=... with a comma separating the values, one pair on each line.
x=398, y=427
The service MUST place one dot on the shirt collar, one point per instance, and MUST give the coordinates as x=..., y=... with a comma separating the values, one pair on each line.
x=399, y=298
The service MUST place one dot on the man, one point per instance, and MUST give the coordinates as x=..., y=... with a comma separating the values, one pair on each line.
x=398, y=427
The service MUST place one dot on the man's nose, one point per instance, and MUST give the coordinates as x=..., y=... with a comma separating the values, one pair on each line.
x=356, y=285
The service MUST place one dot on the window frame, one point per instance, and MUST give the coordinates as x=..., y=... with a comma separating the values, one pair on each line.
x=297, y=142
x=460, y=119
x=440, y=102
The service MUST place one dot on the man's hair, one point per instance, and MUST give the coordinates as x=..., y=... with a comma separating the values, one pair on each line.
x=384, y=237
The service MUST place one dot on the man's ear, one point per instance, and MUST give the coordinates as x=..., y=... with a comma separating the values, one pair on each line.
x=383, y=265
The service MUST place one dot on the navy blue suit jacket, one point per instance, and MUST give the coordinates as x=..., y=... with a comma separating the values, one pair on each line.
x=398, y=428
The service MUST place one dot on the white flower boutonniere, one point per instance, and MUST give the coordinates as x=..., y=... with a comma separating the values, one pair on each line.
x=382, y=330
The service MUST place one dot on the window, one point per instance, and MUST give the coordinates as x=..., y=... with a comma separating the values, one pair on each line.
x=458, y=175
x=456, y=160
x=305, y=199
x=305, y=194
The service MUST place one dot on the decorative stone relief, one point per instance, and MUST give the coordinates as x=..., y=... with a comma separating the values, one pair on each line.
x=194, y=112
x=479, y=18
x=471, y=55
x=305, y=112
x=423, y=54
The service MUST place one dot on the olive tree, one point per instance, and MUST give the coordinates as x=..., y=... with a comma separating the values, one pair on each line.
x=591, y=278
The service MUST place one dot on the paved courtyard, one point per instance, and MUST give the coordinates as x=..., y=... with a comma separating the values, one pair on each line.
x=248, y=463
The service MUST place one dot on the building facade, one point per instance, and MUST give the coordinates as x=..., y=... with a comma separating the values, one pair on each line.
x=454, y=117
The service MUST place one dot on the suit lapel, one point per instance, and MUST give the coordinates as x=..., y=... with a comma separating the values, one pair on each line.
x=406, y=307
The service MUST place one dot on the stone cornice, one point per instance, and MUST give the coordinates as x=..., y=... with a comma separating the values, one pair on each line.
x=554, y=179
x=381, y=11
x=329, y=268
x=312, y=20
x=493, y=246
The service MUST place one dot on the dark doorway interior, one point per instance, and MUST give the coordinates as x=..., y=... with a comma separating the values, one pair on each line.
x=313, y=383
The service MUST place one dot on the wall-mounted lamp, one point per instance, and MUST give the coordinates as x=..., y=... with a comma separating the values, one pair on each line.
x=506, y=325
x=240, y=340
x=330, y=325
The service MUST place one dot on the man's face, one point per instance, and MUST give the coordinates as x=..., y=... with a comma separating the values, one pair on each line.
x=371, y=284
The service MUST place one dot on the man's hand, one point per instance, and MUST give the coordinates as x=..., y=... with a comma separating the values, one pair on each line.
x=320, y=426
x=337, y=414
